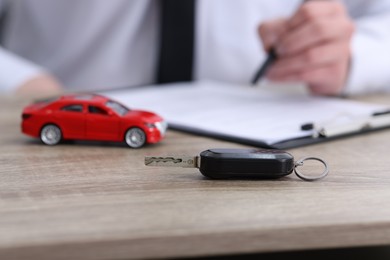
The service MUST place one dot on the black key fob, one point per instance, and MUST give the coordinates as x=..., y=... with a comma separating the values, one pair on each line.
x=245, y=163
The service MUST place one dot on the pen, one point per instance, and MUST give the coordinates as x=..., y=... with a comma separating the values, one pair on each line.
x=271, y=58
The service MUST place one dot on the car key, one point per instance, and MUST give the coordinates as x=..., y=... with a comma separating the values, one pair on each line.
x=239, y=164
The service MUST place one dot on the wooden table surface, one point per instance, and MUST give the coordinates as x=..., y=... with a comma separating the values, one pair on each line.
x=96, y=201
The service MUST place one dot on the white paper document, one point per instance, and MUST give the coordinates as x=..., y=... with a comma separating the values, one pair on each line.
x=252, y=115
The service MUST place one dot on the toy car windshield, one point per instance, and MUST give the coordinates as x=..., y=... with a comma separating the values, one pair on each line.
x=118, y=108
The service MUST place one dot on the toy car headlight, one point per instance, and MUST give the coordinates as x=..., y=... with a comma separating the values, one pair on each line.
x=150, y=125
x=162, y=126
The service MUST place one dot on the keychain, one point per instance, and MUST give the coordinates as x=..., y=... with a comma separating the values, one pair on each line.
x=241, y=164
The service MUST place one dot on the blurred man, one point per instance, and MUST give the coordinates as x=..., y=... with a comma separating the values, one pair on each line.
x=335, y=47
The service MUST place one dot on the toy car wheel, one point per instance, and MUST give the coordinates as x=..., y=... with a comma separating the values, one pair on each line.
x=51, y=134
x=135, y=137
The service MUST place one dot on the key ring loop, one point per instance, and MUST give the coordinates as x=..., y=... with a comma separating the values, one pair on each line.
x=300, y=162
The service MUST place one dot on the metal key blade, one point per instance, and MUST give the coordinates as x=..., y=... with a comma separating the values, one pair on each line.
x=170, y=161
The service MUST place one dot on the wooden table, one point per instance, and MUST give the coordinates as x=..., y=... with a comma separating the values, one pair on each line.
x=94, y=201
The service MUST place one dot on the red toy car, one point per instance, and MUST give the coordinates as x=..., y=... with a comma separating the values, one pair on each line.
x=91, y=117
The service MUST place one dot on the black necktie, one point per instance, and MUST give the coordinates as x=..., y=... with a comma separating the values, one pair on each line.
x=176, y=41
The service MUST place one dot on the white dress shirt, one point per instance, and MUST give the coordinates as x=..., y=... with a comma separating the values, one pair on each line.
x=96, y=44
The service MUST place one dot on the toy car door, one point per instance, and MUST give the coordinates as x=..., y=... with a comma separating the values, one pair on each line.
x=71, y=120
x=101, y=124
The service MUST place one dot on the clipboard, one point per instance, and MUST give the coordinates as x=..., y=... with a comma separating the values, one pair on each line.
x=318, y=137
x=260, y=117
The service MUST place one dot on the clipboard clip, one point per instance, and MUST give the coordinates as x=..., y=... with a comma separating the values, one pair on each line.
x=345, y=124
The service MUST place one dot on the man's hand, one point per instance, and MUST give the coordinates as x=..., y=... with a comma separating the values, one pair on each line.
x=313, y=46
x=40, y=86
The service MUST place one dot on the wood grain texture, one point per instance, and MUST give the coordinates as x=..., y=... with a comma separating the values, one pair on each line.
x=98, y=201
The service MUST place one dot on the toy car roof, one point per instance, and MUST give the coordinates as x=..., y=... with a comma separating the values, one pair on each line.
x=86, y=97
x=89, y=98
x=71, y=98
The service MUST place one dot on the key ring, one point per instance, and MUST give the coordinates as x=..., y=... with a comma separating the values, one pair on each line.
x=300, y=162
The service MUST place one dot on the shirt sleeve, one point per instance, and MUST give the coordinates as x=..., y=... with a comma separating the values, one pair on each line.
x=370, y=63
x=15, y=70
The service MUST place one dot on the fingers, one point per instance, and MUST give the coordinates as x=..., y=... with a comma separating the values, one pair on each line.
x=271, y=31
x=315, y=23
x=324, y=77
x=314, y=33
x=325, y=80
x=310, y=11
x=328, y=80
x=317, y=56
